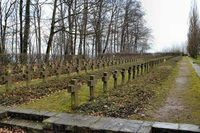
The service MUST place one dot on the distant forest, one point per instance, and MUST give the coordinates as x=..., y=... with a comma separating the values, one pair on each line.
x=89, y=28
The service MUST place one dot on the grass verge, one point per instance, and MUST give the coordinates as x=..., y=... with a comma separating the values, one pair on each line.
x=192, y=99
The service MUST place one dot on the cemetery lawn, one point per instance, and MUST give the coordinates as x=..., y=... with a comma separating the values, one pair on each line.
x=22, y=94
x=132, y=98
x=60, y=101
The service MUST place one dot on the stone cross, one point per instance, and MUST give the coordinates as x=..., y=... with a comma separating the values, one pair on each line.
x=142, y=69
x=7, y=79
x=145, y=67
x=138, y=70
x=68, y=70
x=34, y=68
x=133, y=72
x=105, y=81
x=78, y=69
x=92, y=66
x=129, y=73
x=58, y=72
x=27, y=77
x=23, y=69
x=85, y=68
x=115, y=76
x=123, y=73
x=72, y=88
x=43, y=74
x=99, y=65
x=91, y=84
x=104, y=65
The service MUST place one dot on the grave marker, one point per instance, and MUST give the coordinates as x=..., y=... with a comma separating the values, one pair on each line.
x=91, y=84
x=115, y=76
x=123, y=72
x=72, y=88
x=105, y=81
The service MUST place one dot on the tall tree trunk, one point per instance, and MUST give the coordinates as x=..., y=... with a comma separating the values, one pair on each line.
x=49, y=43
x=75, y=24
x=85, y=20
x=16, y=35
x=98, y=28
x=62, y=12
x=1, y=30
x=21, y=29
x=26, y=30
x=109, y=30
x=70, y=23
x=39, y=32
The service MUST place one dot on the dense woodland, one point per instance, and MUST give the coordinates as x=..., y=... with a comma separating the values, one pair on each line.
x=43, y=29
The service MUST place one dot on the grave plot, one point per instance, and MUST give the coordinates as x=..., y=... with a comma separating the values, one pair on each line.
x=27, y=93
x=58, y=68
x=42, y=71
x=130, y=99
x=104, y=82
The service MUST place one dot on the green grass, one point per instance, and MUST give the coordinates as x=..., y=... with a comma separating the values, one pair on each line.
x=38, y=82
x=161, y=91
x=61, y=101
x=192, y=99
x=125, y=100
x=196, y=60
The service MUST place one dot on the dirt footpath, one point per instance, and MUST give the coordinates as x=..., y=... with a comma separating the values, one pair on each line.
x=174, y=107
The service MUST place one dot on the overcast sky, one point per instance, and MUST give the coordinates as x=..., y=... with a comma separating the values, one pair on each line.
x=168, y=20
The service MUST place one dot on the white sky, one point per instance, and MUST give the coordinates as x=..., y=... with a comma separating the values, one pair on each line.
x=168, y=20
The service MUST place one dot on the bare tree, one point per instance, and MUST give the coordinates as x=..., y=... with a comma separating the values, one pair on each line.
x=194, y=31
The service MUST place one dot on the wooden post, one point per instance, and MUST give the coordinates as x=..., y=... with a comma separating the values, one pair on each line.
x=105, y=82
x=91, y=84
